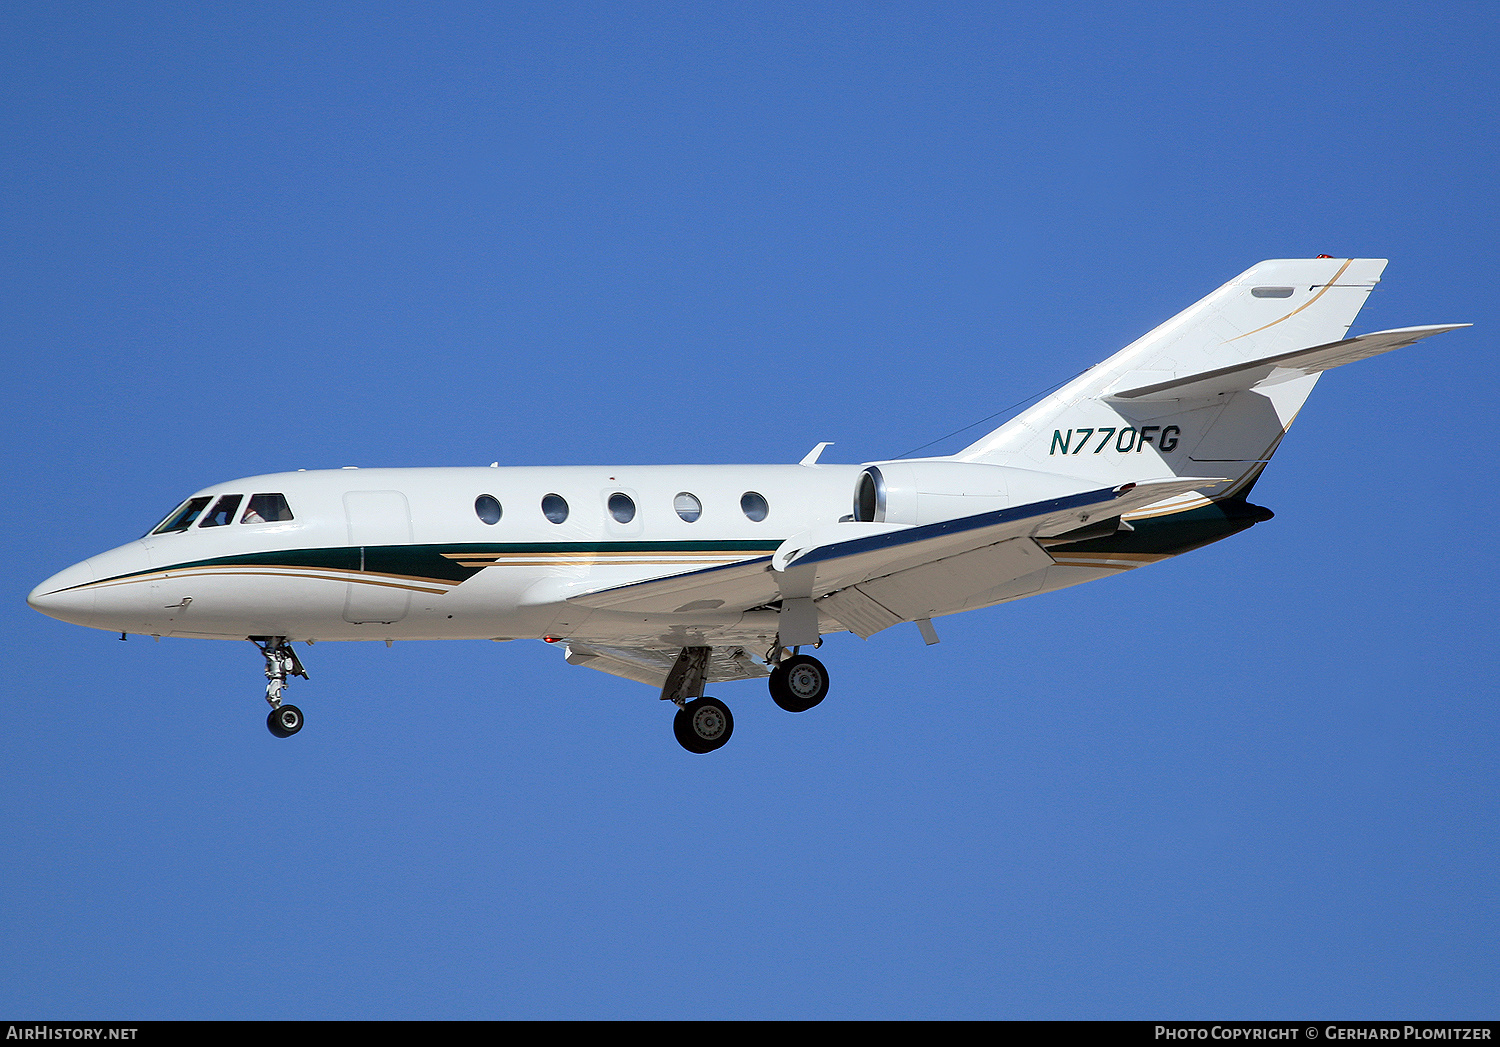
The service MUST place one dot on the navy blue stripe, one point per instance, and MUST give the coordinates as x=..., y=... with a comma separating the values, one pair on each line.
x=855, y=546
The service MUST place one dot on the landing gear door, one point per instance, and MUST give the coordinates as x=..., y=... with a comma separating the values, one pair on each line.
x=377, y=520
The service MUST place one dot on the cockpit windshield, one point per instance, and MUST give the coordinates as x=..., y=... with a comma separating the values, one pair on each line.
x=223, y=511
x=181, y=518
x=263, y=508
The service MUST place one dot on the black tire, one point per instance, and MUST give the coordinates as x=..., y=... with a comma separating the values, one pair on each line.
x=799, y=683
x=703, y=725
x=284, y=721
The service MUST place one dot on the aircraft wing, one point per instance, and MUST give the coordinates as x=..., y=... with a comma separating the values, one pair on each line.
x=1272, y=369
x=837, y=562
x=837, y=556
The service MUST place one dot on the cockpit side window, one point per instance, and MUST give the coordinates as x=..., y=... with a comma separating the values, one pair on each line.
x=182, y=517
x=223, y=511
x=266, y=508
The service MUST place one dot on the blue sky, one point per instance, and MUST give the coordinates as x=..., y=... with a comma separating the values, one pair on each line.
x=1258, y=780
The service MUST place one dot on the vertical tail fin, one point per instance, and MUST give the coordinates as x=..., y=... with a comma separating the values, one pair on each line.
x=1274, y=307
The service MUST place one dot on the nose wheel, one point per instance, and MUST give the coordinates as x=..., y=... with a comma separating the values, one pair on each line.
x=285, y=721
x=281, y=662
x=798, y=683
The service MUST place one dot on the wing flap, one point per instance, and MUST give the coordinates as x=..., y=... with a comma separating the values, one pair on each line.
x=860, y=613
x=1270, y=370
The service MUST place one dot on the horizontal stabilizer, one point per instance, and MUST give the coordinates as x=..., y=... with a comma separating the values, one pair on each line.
x=1271, y=370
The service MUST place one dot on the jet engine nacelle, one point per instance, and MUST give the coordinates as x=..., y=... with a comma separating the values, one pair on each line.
x=921, y=491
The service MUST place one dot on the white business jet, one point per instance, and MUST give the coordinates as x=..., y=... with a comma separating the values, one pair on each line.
x=683, y=576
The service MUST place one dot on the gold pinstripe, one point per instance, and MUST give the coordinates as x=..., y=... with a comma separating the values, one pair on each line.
x=402, y=582
x=1303, y=306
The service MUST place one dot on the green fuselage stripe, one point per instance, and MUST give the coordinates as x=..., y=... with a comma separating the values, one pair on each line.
x=430, y=561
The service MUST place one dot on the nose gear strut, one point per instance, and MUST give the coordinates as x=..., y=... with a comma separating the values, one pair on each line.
x=281, y=662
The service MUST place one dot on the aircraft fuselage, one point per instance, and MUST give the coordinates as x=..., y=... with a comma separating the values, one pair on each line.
x=404, y=554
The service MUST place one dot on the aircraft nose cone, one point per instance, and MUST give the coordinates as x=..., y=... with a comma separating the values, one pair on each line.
x=61, y=596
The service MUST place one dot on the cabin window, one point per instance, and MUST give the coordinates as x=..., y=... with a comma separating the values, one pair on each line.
x=621, y=507
x=223, y=511
x=753, y=505
x=266, y=508
x=487, y=508
x=182, y=517
x=688, y=507
x=555, y=508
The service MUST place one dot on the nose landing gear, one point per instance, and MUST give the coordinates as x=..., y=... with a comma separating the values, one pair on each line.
x=281, y=662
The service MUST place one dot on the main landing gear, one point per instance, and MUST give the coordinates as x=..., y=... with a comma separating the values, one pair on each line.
x=281, y=662
x=702, y=724
x=798, y=683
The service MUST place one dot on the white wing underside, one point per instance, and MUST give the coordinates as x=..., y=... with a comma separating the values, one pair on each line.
x=651, y=665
